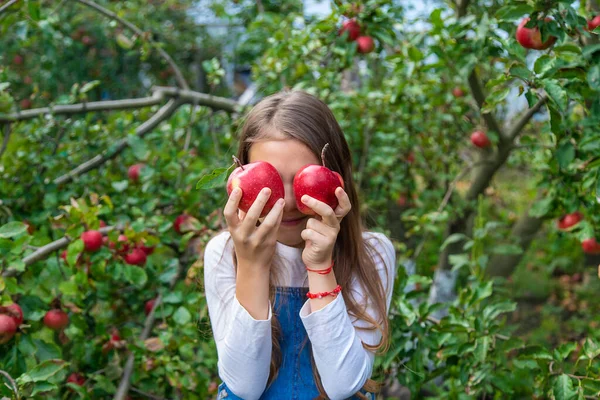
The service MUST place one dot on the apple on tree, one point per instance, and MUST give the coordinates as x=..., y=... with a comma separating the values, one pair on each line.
x=251, y=179
x=353, y=29
x=531, y=38
x=149, y=306
x=590, y=246
x=76, y=379
x=8, y=328
x=365, y=44
x=593, y=23
x=480, y=139
x=569, y=220
x=134, y=172
x=458, y=92
x=92, y=240
x=184, y=223
x=318, y=182
x=56, y=319
x=136, y=257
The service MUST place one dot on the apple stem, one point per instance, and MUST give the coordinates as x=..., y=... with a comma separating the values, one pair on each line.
x=238, y=162
x=323, y=153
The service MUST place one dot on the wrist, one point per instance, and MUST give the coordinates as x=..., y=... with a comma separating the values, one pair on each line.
x=323, y=267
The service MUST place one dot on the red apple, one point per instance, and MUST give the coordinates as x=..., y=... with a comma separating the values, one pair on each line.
x=149, y=306
x=134, y=172
x=353, y=29
x=178, y=221
x=480, y=139
x=593, y=23
x=410, y=158
x=76, y=379
x=63, y=255
x=25, y=104
x=56, y=319
x=27, y=80
x=102, y=223
x=590, y=246
x=318, y=182
x=30, y=227
x=87, y=40
x=251, y=179
x=18, y=59
x=122, y=245
x=365, y=44
x=531, y=38
x=146, y=249
x=458, y=92
x=8, y=328
x=92, y=240
x=15, y=311
x=403, y=201
x=569, y=220
x=136, y=257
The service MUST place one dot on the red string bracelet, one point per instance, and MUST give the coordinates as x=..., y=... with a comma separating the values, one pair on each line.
x=321, y=271
x=334, y=292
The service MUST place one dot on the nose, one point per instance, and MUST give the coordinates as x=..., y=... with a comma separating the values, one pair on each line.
x=290, y=200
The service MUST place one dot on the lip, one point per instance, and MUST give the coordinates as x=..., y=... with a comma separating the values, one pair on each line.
x=293, y=222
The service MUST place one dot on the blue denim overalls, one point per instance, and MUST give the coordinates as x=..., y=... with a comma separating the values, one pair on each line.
x=295, y=380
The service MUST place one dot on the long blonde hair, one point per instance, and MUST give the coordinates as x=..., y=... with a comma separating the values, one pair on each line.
x=301, y=116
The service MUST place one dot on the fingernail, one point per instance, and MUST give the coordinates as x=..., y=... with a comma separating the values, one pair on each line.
x=236, y=191
x=266, y=191
x=304, y=198
x=281, y=202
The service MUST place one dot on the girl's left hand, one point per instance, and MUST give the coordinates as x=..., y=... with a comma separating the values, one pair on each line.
x=321, y=231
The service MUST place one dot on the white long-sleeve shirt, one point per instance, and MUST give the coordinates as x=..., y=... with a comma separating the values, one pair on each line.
x=244, y=343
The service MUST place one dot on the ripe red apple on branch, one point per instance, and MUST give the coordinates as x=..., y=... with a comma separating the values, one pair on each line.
x=531, y=38
x=149, y=306
x=365, y=44
x=480, y=139
x=590, y=246
x=8, y=328
x=251, y=179
x=56, y=319
x=319, y=182
x=458, y=92
x=353, y=29
x=13, y=310
x=76, y=379
x=569, y=220
x=134, y=172
x=593, y=23
x=136, y=257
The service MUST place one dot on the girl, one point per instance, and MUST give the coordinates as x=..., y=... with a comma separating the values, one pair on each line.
x=275, y=338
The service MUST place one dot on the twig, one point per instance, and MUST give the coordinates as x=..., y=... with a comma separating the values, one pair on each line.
x=7, y=131
x=43, y=251
x=190, y=96
x=162, y=114
x=180, y=79
x=4, y=7
x=12, y=381
x=109, y=105
x=516, y=130
x=260, y=7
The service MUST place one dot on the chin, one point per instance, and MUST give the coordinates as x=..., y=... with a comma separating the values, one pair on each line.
x=292, y=239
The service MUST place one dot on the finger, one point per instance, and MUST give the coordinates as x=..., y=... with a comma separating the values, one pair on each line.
x=322, y=209
x=313, y=236
x=320, y=227
x=241, y=214
x=344, y=205
x=231, y=208
x=249, y=224
x=272, y=220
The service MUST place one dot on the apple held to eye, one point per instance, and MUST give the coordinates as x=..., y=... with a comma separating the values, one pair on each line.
x=251, y=179
x=318, y=182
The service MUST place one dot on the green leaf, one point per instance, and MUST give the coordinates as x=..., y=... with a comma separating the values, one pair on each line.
x=591, y=384
x=73, y=250
x=513, y=11
x=42, y=371
x=89, y=86
x=589, y=50
x=593, y=77
x=43, y=387
x=481, y=348
x=590, y=349
x=507, y=249
x=138, y=146
x=34, y=9
x=567, y=48
x=182, y=316
x=544, y=64
x=493, y=310
x=407, y=312
x=563, y=388
x=215, y=179
x=124, y=42
x=520, y=71
x=556, y=93
x=536, y=353
x=565, y=154
x=47, y=351
x=135, y=275
x=598, y=184
x=455, y=237
x=11, y=229
x=120, y=186
x=494, y=98
x=525, y=364
x=68, y=288
x=564, y=350
x=542, y=207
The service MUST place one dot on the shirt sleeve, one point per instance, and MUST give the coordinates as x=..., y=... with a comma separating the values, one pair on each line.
x=243, y=343
x=343, y=363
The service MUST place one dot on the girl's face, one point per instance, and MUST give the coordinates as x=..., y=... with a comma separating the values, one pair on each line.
x=287, y=156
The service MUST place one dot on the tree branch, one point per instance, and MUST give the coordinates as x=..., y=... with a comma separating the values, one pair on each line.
x=4, y=7
x=479, y=97
x=109, y=105
x=516, y=130
x=180, y=79
x=165, y=112
x=12, y=381
x=7, y=131
x=203, y=99
x=462, y=8
x=42, y=252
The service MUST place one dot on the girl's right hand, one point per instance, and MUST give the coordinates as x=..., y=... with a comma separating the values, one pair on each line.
x=254, y=246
